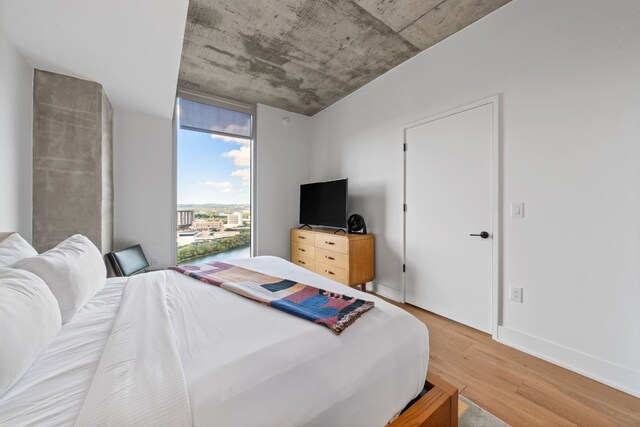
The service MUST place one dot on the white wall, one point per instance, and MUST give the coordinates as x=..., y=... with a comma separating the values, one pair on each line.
x=569, y=76
x=143, y=184
x=16, y=102
x=283, y=164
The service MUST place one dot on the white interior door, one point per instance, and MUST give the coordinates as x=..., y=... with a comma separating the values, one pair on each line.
x=448, y=194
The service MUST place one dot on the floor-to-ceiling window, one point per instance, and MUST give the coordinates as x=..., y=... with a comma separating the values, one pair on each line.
x=213, y=180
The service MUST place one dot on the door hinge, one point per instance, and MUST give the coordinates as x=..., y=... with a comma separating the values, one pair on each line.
x=404, y=147
x=404, y=268
x=404, y=207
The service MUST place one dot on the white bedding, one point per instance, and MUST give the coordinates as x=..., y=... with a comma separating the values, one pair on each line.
x=244, y=364
x=52, y=392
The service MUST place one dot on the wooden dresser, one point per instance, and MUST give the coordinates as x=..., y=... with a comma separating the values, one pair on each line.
x=345, y=258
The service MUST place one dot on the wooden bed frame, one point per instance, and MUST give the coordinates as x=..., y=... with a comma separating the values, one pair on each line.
x=438, y=407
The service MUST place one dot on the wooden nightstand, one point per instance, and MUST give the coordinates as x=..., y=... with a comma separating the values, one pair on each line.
x=345, y=258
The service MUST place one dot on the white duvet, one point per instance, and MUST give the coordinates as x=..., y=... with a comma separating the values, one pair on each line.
x=179, y=352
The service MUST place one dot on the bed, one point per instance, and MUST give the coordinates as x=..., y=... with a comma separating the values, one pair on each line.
x=212, y=357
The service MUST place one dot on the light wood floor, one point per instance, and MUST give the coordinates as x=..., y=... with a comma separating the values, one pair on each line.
x=516, y=387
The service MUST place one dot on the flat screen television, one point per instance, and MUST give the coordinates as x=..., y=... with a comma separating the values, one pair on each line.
x=324, y=203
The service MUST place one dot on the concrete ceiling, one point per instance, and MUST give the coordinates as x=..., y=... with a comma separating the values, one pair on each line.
x=304, y=55
x=130, y=47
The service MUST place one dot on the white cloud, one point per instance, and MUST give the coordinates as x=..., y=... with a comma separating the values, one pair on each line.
x=225, y=186
x=245, y=174
x=241, y=157
x=240, y=141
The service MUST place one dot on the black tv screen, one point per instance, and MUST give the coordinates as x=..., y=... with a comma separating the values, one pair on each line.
x=324, y=203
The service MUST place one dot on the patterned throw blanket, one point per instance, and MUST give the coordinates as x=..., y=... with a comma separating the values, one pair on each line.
x=333, y=310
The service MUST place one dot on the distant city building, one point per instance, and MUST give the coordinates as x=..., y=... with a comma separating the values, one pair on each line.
x=234, y=220
x=206, y=225
x=185, y=218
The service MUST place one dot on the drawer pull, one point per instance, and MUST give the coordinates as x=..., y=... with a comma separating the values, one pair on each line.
x=329, y=243
x=302, y=250
x=330, y=272
x=302, y=262
x=330, y=257
x=301, y=237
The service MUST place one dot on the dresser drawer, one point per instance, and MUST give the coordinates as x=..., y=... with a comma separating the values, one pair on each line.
x=303, y=261
x=333, y=273
x=303, y=250
x=332, y=243
x=332, y=258
x=302, y=236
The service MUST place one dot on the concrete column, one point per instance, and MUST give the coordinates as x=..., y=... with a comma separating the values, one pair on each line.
x=72, y=161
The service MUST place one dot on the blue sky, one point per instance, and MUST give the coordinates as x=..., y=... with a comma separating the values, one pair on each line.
x=212, y=168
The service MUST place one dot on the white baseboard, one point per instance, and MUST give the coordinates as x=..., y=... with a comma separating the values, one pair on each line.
x=386, y=291
x=618, y=377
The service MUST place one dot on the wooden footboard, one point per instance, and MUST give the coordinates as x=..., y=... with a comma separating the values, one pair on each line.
x=437, y=407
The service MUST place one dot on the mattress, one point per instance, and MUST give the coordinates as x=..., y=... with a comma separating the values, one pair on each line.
x=244, y=364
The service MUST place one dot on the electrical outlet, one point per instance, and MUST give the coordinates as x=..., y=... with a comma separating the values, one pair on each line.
x=154, y=260
x=516, y=294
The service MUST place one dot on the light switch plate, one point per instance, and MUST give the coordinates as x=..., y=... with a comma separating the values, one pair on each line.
x=517, y=210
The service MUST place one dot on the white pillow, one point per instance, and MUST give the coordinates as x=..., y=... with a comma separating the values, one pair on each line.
x=29, y=320
x=14, y=248
x=73, y=270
